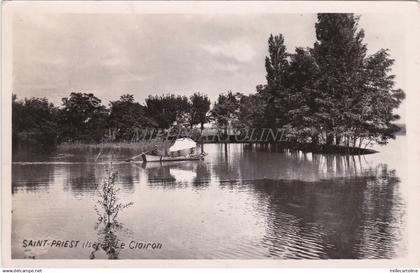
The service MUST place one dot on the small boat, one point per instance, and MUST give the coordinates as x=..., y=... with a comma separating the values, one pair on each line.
x=156, y=158
x=183, y=149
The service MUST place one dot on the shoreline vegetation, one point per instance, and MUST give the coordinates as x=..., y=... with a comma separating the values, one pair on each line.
x=330, y=98
x=145, y=146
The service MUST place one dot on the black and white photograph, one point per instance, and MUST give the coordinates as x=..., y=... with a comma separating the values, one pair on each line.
x=254, y=135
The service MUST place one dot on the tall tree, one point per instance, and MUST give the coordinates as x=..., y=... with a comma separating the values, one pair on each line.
x=374, y=111
x=200, y=106
x=331, y=92
x=83, y=118
x=339, y=53
x=275, y=92
x=302, y=106
x=34, y=121
x=127, y=117
x=251, y=111
x=226, y=109
x=167, y=109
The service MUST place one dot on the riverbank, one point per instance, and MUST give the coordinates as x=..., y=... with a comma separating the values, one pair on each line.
x=304, y=147
x=141, y=146
x=332, y=149
x=148, y=145
x=317, y=149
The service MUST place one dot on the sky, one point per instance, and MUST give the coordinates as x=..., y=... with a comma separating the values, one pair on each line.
x=142, y=54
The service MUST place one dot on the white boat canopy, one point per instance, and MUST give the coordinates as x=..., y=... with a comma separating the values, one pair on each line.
x=182, y=144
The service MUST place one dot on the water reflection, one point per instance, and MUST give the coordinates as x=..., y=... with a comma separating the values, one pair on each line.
x=28, y=178
x=287, y=164
x=260, y=201
x=177, y=174
x=349, y=218
x=202, y=179
x=80, y=178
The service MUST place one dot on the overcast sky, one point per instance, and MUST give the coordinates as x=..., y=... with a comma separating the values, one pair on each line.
x=110, y=54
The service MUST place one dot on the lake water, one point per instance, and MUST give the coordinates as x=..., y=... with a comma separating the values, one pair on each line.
x=241, y=202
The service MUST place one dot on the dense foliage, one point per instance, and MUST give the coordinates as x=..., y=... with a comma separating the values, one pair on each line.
x=167, y=109
x=82, y=118
x=332, y=93
x=126, y=117
x=34, y=121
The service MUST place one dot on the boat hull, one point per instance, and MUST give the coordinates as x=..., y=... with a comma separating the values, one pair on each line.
x=156, y=158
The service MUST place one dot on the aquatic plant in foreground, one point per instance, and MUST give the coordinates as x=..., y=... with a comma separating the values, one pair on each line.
x=108, y=209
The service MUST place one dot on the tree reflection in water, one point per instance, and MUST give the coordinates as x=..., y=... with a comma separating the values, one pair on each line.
x=108, y=208
x=173, y=175
x=350, y=218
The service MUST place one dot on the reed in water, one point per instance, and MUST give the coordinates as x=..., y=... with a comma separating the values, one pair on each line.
x=108, y=208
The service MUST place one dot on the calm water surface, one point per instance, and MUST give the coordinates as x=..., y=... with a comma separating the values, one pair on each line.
x=241, y=202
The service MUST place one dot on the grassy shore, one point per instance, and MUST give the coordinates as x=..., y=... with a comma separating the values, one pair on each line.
x=163, y=145
x=141, y=146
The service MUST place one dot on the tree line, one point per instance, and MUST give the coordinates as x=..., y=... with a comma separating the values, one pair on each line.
x=331, y=93
x=83, y=118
